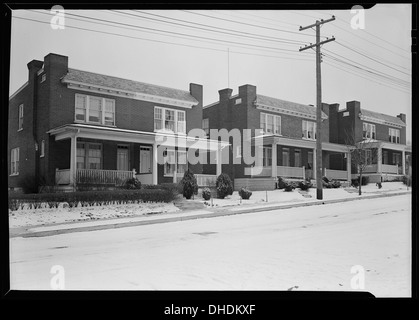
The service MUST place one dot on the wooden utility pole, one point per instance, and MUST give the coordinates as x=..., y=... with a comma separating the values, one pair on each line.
x=319, y=163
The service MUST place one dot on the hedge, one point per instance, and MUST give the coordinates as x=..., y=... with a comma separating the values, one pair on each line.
x=90, y=198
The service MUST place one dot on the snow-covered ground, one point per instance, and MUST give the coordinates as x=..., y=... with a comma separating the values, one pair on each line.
x=46, y=216
x=63, y=214
x=305, y=248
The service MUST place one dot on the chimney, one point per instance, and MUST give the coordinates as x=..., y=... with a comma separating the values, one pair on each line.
x=225, y=94
x=325, y=108
x=55, y=66
x=34, y=66
x=248, y=93
x=196, y=91
x=402, y=117
x=354, y=108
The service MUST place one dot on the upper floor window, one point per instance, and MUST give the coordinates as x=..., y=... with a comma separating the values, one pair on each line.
x=309, y=130
x=270, y=123
x=169, y=120
x=368, y=131
x=14, y=161
x=95, y=110
x=394, y=135
x=43, y=77
x=205, y=126
x=20, y=124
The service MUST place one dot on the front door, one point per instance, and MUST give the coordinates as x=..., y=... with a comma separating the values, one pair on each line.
x=122, y=163
x=145, y=159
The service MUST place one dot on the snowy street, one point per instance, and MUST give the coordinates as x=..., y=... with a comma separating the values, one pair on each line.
x=307, y=248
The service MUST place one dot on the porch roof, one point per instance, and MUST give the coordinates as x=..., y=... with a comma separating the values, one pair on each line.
x=125, y=135
x=387, y=145
x=299, y=143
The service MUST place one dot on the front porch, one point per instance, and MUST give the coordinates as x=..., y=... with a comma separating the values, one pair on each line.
x=92, y=155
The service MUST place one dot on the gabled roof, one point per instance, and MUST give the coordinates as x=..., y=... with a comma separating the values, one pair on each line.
x=110, y=82
x=287, y=106
x=382, y=117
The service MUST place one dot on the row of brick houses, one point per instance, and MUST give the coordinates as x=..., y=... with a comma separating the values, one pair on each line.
x=68, y=127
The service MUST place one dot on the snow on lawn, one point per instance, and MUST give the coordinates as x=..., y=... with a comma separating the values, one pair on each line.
x=281, y=196
x=63, y=214
x=306, y=248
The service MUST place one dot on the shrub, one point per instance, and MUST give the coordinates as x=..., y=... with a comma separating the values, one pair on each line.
x=245, y=193
x=289, y=186
x=325, y=179
x=281, y=183
x=189, y=184
x=224, y=186
x=305, y=185
x=206, y=193
x=335, y=184
x=407, y=180
x=364, y=182
x=132, y=183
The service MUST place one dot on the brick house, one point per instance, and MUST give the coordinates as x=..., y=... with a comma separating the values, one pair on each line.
x=68, y=126
x=385, y=133
x=289, y=138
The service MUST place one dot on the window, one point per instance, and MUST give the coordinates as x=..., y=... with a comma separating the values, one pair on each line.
x=368, y=157
x=176, y=161
x=89, y=155
x=205, y=126
x=42, y=154
x=20, y=124
x=368, y=130
x=267, y=156
x=297, y=158
x=310, y=159
x=309, y=130
x=385, y=157
x=397, y=159
x=270, y=123
x=95, y=110
x=43, y=77
x=394, y=135
x=182, y=163
x=14, y=161
x=238, y=101
x=286, y=157
x=170, y=162
x=169, y=120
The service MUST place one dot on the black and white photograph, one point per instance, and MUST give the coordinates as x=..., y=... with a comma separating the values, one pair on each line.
x=196, y=149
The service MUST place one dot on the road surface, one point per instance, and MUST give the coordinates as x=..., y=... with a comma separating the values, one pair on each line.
x=307, y=248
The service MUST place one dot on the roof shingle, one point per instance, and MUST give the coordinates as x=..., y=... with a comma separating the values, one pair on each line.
x=127, y=85
x=382, y=117
x=287, y=105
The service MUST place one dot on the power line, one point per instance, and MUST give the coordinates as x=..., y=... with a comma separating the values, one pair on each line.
x=247, y=24
x=384, y=64
x=231, y=43
x=159, y=41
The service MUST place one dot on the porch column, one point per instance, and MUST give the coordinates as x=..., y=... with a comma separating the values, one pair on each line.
x=314, y=170
x=274, y=161
x=379, y=160
x=73, y=160
x=155, y=160
x=403, y=162
x=219, y=162
x=348, y=166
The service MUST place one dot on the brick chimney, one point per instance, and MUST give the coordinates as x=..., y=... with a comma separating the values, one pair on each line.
x=225, y=94
x=402, y=117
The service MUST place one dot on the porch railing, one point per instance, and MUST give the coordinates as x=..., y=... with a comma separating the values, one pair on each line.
x=108, y=177
x=336, y=174
x=281, y=171
x=372, y=168
x=203, y=180
x=388, y=168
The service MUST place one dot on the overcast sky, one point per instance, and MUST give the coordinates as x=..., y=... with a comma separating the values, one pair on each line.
x=229, y=48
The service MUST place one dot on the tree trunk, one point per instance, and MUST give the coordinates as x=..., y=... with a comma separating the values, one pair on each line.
x=360, y=182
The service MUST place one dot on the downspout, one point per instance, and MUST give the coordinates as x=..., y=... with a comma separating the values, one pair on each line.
x=35, y=126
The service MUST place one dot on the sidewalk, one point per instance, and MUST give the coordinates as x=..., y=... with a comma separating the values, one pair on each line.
x=189, y=212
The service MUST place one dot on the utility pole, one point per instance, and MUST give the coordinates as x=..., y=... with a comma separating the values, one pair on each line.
x=319, y=163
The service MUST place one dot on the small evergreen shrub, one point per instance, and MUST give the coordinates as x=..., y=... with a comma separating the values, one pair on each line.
x=224, y=186
x=132, y=183
x=407, y=180
x=289, y=186
x=189, y=184
x=305, y=185
x=364, y=182
x=206, y=194
x=281, y=183
x=245, y=193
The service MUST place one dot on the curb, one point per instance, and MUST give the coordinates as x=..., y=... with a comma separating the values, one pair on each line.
x=224, y=212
